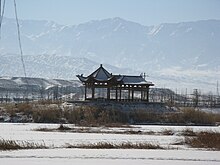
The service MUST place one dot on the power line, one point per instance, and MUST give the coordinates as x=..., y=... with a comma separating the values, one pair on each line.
x=2, y=11
x=19, y=39
x=217, y=90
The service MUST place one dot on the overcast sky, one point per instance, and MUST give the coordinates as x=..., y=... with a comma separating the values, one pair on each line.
x=146, y=12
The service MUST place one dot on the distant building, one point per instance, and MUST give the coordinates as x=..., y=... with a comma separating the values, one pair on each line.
x=104, y=85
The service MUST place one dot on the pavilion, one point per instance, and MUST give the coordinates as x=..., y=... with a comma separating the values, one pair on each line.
x=102, y=85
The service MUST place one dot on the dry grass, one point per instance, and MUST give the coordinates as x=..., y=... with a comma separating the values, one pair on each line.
x=188, y=132
x=133, y=132
x=44, y=129
x=15, y=145
x=107, y=145
x=167, y=132
x=118, y=125
x=108, y=125
x=47, y=111
x=63, y=128
x=181, y=142
x=210, y=140
x=48, y=102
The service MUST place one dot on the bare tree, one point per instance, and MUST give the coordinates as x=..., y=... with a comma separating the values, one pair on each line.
x=195, y=97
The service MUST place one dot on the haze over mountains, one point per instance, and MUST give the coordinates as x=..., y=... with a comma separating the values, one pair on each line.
x=180, y=55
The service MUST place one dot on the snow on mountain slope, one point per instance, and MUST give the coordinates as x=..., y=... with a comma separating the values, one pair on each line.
x=18, y=83
x=52, y=66
x=187, y=51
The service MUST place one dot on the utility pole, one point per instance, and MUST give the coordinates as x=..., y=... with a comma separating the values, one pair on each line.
x=217, y=98
x=196, y=97
x=144, y=75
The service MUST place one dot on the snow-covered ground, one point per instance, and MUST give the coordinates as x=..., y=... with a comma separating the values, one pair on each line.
x=108, y=157
x=57, y=154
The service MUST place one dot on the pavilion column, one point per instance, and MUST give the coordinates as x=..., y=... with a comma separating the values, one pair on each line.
x=85, y=91
x=116, y=93
x=141, y=93
x=144, y=94
x=129, y=93
x=93, y=93
x=120, y=93
x=147, y=94
x=108, y=93
x=132, y=94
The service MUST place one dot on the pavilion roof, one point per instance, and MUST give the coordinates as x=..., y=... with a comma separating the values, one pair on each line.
x=132, y=80
x=101, y=74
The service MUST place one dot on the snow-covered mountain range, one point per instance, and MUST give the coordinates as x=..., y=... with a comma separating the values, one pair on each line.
x=16, y=84
x=52, y=66
x=170, y=53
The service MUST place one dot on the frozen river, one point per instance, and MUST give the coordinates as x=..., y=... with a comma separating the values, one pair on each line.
x=58, y=154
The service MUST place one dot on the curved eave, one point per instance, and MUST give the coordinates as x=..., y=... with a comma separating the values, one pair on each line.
x=81, y=78
x=150, y=83
x=145, y=84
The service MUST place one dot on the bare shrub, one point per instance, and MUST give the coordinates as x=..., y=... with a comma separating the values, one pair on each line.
x=187, y=116
x=9, y=145
x=167, y=132
x=188, y=132
x=43, y=129
x=63, y=128
x=15, y=145
x=47, y=111
x=24, y=107
x=47, y=115
x=142, y=116
x=48, y=102
x=133, y=132
x=118, y=125
x=108, y=145
x=191, y=115
x=210, y=140
x=93, y=116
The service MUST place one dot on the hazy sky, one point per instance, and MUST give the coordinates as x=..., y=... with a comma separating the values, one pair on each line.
x=146, y=12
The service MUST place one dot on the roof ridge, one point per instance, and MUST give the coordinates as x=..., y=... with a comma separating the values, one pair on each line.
x=97, y=71
x=127, y=75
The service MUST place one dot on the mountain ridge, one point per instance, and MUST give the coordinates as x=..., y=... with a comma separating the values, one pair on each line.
x=185, y=50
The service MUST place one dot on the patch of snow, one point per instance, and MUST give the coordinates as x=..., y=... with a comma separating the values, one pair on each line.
x=173, y=33
x=202, y=65
x=109, y=157
x=188, y=30
x=155, y=30
x=41, y=34
x=119, y=26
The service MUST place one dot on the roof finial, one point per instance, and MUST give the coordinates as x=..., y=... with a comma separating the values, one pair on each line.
x=100, y=65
